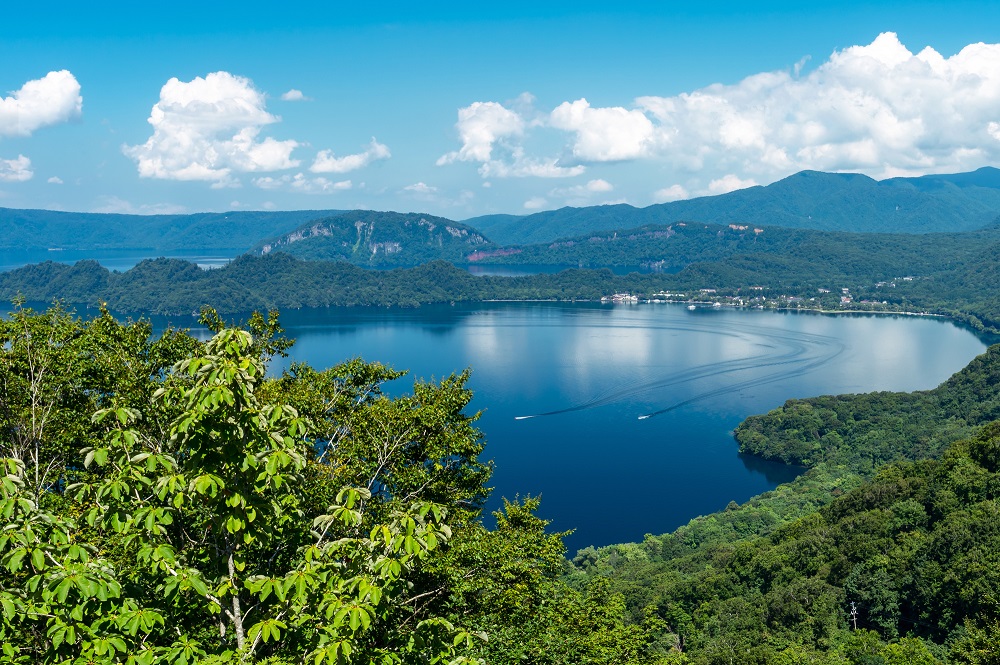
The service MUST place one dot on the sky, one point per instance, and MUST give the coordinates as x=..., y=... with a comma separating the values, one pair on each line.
x=460, y=110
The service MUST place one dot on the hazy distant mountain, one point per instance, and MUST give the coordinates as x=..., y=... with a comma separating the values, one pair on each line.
x=378, y=239
x=810, y=199
x=86, y=230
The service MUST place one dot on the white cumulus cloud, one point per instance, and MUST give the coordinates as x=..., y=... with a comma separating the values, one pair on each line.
x=879, y=109
x=16, y=170
x=528, y=167
x=535, y=203
x=420, y=188
x=481, y=125
x=50, y=100
x=729, y=183
x=604, y=134
x=326, y=162
x=294, y=95
x=671, y=193
x=55, y=180
x=209, y=128
x=582, y=194
x=491, y=134
x=302, y=183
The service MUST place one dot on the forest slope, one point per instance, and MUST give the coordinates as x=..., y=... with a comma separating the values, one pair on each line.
x=378, y=239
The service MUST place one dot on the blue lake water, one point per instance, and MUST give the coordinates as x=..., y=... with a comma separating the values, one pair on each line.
x=588, y=373
x=621, y=416
x=113, y=259
x=124, y=259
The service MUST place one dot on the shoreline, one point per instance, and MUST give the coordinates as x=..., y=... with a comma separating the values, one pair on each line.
x=817, y=310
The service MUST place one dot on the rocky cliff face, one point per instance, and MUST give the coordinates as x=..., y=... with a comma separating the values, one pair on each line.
x=379, y=239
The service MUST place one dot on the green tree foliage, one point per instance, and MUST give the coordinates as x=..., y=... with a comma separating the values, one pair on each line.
x=212, y=514
x=867, y=430
x=901, y=569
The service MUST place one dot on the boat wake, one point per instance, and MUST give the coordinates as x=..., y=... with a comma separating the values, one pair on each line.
x=795, y=353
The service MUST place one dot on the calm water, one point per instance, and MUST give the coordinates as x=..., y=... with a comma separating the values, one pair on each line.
x=124, y=259
x=588, y=374
x=113, y=259
x=621, y=417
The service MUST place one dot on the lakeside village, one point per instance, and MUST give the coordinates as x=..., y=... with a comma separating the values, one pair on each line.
x=760, y=297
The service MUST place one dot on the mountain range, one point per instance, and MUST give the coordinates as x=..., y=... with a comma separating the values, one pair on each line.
x=238, y=230
x=812, y=200
x=808, y=199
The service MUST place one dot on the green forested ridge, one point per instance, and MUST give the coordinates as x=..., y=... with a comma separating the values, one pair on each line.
x=235, y=230
x=951, y=274
x=378, y=239
x=164, y=501
x=810, y=199
x=908, y=558
x=675, y=246
x=867, y=430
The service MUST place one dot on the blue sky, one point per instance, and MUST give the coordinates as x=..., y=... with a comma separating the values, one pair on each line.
x=461, y=110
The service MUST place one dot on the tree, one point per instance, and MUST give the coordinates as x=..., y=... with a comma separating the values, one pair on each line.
x=199, y=525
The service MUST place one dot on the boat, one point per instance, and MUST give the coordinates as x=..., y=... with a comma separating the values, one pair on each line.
x=692, y=307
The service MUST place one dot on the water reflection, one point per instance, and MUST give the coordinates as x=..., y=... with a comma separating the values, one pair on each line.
x=774, y=472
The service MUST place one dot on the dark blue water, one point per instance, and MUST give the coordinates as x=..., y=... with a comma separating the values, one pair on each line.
x=588, y=374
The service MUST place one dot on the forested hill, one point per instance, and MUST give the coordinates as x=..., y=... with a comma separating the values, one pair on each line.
x=378, y=239
x=899, y=568
x=87, y=231
x=675, y=246
x=903, y=570
x=867, y=430
x=809, y=199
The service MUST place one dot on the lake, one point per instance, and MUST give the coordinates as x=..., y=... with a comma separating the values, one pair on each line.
x=124, y=259
x=114, y=259
x=621, y=417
